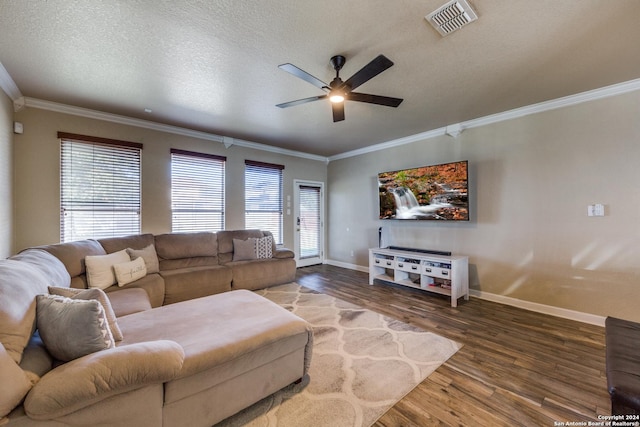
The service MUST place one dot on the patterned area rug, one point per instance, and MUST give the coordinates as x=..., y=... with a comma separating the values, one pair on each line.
x=363, y=363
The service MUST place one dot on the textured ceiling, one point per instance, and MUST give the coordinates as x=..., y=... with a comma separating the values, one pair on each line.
x=213, y=65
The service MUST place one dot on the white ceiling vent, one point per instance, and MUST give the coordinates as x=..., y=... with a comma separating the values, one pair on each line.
x=451, y=16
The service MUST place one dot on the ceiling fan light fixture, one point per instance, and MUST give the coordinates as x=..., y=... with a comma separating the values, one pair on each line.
x=336, y=97
x=338, y=91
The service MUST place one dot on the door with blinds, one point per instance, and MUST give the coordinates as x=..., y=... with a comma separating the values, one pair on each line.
x=309, y=222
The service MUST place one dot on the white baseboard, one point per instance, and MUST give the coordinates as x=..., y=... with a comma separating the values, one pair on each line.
x=541, y=308
x=346, y=265
x=514, y=302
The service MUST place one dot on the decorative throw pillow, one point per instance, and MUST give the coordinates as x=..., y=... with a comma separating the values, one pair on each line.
x=100, y=268
x=244, y=249
x=149, y=256
x=15, y=383
x=72, y=328
x=131, y=271
x=264, y=247
x=97, y=294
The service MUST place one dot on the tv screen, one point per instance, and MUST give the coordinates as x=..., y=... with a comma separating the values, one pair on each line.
x=437, y=192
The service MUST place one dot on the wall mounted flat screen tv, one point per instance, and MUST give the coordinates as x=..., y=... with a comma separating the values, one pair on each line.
x=438, y=192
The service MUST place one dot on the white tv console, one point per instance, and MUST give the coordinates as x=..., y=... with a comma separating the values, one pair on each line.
x=446, y=275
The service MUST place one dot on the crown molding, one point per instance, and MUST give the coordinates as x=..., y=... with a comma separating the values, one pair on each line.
x=8, y=85
x=567, y=101
x=177, y=130
x=390, y=144
x=10, y=88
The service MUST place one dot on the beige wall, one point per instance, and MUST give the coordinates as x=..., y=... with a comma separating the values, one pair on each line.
x=37, y=170
x=531, y=180
x=6, y=175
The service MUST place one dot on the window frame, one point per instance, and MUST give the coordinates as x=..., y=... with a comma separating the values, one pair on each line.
x=208, y=166
x=96, y=158
x=263, y=172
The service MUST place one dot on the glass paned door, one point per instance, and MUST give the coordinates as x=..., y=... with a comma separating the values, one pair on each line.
x=309, y=223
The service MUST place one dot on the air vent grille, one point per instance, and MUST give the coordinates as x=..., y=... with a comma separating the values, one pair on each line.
x=451, y=16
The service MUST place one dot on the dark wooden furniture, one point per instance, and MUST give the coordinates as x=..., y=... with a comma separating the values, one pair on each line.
x=623, y=365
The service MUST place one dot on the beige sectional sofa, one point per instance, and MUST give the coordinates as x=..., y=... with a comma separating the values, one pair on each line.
x=191, y=265
x=197, y=346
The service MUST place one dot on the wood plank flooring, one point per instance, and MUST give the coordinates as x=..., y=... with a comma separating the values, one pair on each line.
x=516, y=367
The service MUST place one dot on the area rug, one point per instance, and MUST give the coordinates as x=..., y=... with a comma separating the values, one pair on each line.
x=363, y=363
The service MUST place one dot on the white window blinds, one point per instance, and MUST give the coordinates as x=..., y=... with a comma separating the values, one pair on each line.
x=99, y=187
x=263, y=197
x=197, y=191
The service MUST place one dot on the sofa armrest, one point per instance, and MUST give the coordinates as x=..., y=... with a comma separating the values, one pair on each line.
x=283, y=253
x=98, y=376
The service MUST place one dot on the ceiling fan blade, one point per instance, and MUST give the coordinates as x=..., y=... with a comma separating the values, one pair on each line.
x=301, y=74
x=301, y=101
x=369, y=71
x=338, y=111
x=374, y=99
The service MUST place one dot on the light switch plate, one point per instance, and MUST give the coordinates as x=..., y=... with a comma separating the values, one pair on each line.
x=595, y=210
x=599, y=210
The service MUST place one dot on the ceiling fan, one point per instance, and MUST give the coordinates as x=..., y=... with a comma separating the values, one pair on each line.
x=338, y=91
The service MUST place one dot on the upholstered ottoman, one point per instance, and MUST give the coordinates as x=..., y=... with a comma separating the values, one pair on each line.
x=239, y=348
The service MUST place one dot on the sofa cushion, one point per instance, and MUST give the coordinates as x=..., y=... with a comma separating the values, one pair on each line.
x=262, y=273
x=244, y=249
x=130, y=271
x=15, y=383
x=189, y=283
x=36, y=359
x=129, y=300
x=100, y=272
x=72, y=328
x=176, y=264
x=89, y=294
x=149, y=255
x=19, y=285
x=51, y=267
x=153, y=284
x=186, y=245
x=136, y=241
x=72, y=254
x=283, y=253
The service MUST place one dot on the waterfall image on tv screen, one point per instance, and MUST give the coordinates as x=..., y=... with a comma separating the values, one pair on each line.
x=438, y=192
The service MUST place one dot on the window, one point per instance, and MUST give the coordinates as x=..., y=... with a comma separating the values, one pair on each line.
x=197, y=191
x=263, y=197
x=99, y=187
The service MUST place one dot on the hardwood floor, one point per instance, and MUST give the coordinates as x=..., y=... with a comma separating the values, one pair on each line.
x=516, y=367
